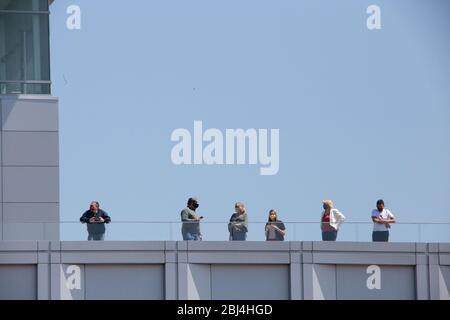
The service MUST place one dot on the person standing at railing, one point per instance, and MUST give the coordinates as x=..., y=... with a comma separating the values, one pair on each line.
x=238, y=225
x=95, y=219
x=330, y=221
x=382, y=219
x=191, y=221
x=275, y=229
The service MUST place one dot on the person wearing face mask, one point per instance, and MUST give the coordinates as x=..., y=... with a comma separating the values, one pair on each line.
x=330, y=222
x=95, y=218
x=191, y=221
x=275, y=229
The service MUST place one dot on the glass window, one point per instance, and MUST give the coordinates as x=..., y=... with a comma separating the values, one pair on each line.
x=24, y=5
x=24, y=52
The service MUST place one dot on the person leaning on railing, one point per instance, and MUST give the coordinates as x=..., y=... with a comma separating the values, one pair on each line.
x=275, y=229
x=95, y=219
x=382, y=219
x=330, y=221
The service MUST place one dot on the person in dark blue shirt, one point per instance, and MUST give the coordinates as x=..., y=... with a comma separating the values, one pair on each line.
x=95, y=218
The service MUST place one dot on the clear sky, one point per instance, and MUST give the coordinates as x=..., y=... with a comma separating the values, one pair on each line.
x=363, y=114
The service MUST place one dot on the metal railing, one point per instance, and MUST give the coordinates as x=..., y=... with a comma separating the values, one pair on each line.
x=23, y=86
x=218, y=231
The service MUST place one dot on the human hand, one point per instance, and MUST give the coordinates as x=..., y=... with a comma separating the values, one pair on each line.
x=101, y=219
x=92, y=220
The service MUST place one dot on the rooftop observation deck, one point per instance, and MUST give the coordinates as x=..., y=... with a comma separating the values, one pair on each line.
x=223, y=270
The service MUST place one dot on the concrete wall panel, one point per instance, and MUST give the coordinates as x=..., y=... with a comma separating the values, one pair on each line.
x=30, y=148
x=31, y=184
x=28, y=114
x=357, y=282
x=125, y=282
x=237, y=282
x=18, y=282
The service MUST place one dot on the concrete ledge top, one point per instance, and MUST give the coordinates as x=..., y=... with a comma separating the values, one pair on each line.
x=36, y=97
x=421, y=247
x=12, y=245
x=444, y=247
x=113, y=245
x=364, y=246
x=238, y=246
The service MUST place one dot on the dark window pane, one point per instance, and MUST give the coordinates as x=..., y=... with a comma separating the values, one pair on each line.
x=25, y=5
x=24, y=47
x=30, y=88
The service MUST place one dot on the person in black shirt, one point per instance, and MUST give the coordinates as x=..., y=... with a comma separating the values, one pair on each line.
x=275, y=229
x=95, y=218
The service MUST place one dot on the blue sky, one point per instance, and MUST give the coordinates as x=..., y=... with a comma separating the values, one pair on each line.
x=362, y=114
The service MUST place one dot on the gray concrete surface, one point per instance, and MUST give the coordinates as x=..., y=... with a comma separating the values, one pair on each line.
x=29, y=161
x=223, y=270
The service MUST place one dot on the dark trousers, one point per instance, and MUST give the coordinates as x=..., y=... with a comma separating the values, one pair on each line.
x=380, y=236
x=329, y=235
x=238, y=236
x=96, y=236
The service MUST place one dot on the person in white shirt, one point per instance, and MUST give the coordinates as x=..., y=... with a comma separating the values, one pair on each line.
x=382, y=219
x=330, y=221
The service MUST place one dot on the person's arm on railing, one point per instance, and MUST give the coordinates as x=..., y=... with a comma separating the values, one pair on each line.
x=106, y=218
x=84, y=218
x=391, y=218
x=378, y=220
x=383, y=221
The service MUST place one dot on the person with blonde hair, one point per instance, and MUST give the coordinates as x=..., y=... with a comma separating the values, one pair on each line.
x=238, y=225
x=330, y=221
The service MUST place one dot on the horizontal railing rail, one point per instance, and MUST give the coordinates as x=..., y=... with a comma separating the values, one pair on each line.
x=217, y=230
x=26, y=81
